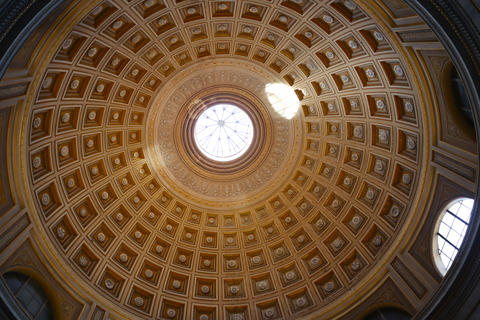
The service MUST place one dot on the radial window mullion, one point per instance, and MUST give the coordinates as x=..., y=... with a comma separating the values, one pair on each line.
x=223, y=132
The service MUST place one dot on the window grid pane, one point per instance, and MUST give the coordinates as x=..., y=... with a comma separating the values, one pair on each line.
x=452, y=230
x=29, y=295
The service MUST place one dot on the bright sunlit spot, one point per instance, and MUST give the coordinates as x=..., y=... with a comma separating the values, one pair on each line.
x=283, y=99
x=223, y=132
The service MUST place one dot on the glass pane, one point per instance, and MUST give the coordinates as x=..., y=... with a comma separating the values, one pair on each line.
x=444, y=229
x=454, y=237
x=441, y=243
x=45, y=313
x=445, y=260
x=223, y=132
x=40, y=297
x=454, y=208
x=30, y=295
x=33, y=307
x=448, y=218
x=448, y=250
x=32, y=287
x=468, y=203
x=464, y=213
x=453, y=228
x=14, y=281
x=24, y=297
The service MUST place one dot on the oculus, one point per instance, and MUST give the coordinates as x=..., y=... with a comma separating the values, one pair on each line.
x=223, y=132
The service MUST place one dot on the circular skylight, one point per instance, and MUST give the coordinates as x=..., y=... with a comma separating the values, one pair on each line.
x=223, y=132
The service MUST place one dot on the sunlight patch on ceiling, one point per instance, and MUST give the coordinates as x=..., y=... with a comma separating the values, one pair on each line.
x=283, y=99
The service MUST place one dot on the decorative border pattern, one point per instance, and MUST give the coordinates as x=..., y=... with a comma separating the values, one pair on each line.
x=11, y=233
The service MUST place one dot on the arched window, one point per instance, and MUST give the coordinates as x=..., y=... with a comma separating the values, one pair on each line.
x=449, y=232
x=29, y=295
x=389, y=314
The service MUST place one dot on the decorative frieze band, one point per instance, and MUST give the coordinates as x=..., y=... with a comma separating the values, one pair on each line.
x=455, y=166
x=11, y=233
x=14, y=90
x=409, y=278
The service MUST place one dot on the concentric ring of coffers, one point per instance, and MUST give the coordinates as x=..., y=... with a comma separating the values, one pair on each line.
x=133, y=233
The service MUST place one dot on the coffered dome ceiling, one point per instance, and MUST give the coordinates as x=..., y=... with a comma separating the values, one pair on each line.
x=145, y=223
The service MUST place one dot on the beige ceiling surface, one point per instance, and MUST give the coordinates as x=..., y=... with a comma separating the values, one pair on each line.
x=146, y=227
